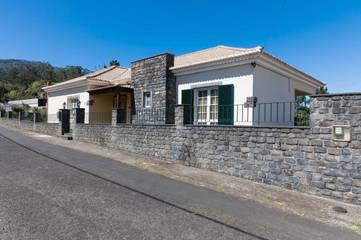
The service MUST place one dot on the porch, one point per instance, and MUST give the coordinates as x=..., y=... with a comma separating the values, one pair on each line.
x=102, y=101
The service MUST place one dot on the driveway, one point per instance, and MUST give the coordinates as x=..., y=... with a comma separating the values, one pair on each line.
x=52, y=192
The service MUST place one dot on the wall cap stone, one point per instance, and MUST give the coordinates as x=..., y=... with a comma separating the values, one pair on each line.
x=335, y=94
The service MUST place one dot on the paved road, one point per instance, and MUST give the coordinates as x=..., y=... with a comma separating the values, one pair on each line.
x=51, y=192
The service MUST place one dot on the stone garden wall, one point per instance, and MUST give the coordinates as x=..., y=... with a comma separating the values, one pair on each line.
x=304, y=159
x=294, y=158
x=41, y=127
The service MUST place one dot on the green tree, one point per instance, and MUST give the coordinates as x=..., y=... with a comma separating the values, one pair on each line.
x=34, y=89
x=114, y=63
x=27, y=79
x=302, y=115
x=322, y=90
x=13, y=94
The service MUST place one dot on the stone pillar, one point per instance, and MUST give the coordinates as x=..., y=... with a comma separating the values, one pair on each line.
x=73, y=119
x=77, y=115
x=335, y=109
x=341, y=178
x=114, y=117
x=34, y=121
x=60, y=112
x=179, y=115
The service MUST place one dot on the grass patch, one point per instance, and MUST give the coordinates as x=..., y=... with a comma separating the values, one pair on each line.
x=357, y=224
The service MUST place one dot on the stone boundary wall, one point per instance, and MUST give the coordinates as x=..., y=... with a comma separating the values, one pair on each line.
x=41, y=127
x=293, y=158
x=303, y=159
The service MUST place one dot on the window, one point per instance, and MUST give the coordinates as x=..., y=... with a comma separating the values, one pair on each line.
x=202, y=106
x=213, y=105
x=72, y=102
x=147, y=99
x=207, y=106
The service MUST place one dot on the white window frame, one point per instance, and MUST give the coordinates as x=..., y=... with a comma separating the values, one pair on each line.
x=150, y=99
x=72, y=102
x=208, y=120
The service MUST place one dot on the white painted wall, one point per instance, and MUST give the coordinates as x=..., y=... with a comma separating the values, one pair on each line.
x=276, y=96
x=240, y=76
x=271, y=87
x=56, y=100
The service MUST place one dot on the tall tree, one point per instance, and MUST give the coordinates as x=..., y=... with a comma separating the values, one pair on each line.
x=114, y=63
x=322, y=90
x=26, y=78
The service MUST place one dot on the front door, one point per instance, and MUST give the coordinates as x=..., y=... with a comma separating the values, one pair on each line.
x=121, y=106
x=122, y=101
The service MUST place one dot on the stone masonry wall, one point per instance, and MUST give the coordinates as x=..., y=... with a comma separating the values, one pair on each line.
x=287, y=157
x=303, y=159
x=337, y=165
x=45, y=128
x=153, y=74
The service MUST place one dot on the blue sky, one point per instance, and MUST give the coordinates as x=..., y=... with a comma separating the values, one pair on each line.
x=322, y=38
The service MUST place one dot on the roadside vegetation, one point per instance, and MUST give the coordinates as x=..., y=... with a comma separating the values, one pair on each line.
x=302, y=116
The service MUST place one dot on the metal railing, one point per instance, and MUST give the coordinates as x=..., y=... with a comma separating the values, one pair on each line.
x=100, y=117
x=261, y=114
x=149, y=115
x=40, y=117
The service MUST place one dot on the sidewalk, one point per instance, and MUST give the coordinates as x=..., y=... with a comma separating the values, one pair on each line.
x=305, y=205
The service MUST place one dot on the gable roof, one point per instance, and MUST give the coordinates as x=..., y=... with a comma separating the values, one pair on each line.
x=220, y=56
x=113, y=75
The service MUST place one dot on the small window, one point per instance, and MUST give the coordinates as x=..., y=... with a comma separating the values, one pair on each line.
x=147, y=99
x=72, y=102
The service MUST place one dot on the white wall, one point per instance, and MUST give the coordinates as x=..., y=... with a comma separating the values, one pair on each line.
x=272, y=87
x=56, y=100
x=275, y=94
x=240, y=76
x=276, y=97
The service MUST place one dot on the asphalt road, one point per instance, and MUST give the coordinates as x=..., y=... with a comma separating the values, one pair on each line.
x=51, y=192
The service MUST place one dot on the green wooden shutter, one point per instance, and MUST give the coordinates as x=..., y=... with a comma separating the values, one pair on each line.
x=187, y=99
x=225, y=104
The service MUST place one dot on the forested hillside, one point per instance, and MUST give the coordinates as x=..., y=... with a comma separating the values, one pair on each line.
x=20, y=79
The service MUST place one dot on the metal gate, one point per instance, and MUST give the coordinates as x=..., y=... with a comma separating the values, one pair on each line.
x=64, y=117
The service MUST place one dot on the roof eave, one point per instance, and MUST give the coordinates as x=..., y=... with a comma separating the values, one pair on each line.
x=80, y=83
x=260, y=57
x=265, y=58
x=215, y=64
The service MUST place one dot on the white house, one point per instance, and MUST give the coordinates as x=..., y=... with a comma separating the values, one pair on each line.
x=241, y=86
x=220, y=85
x=70, y=93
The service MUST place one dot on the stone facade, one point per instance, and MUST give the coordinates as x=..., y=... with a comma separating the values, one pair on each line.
x=153, y=75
